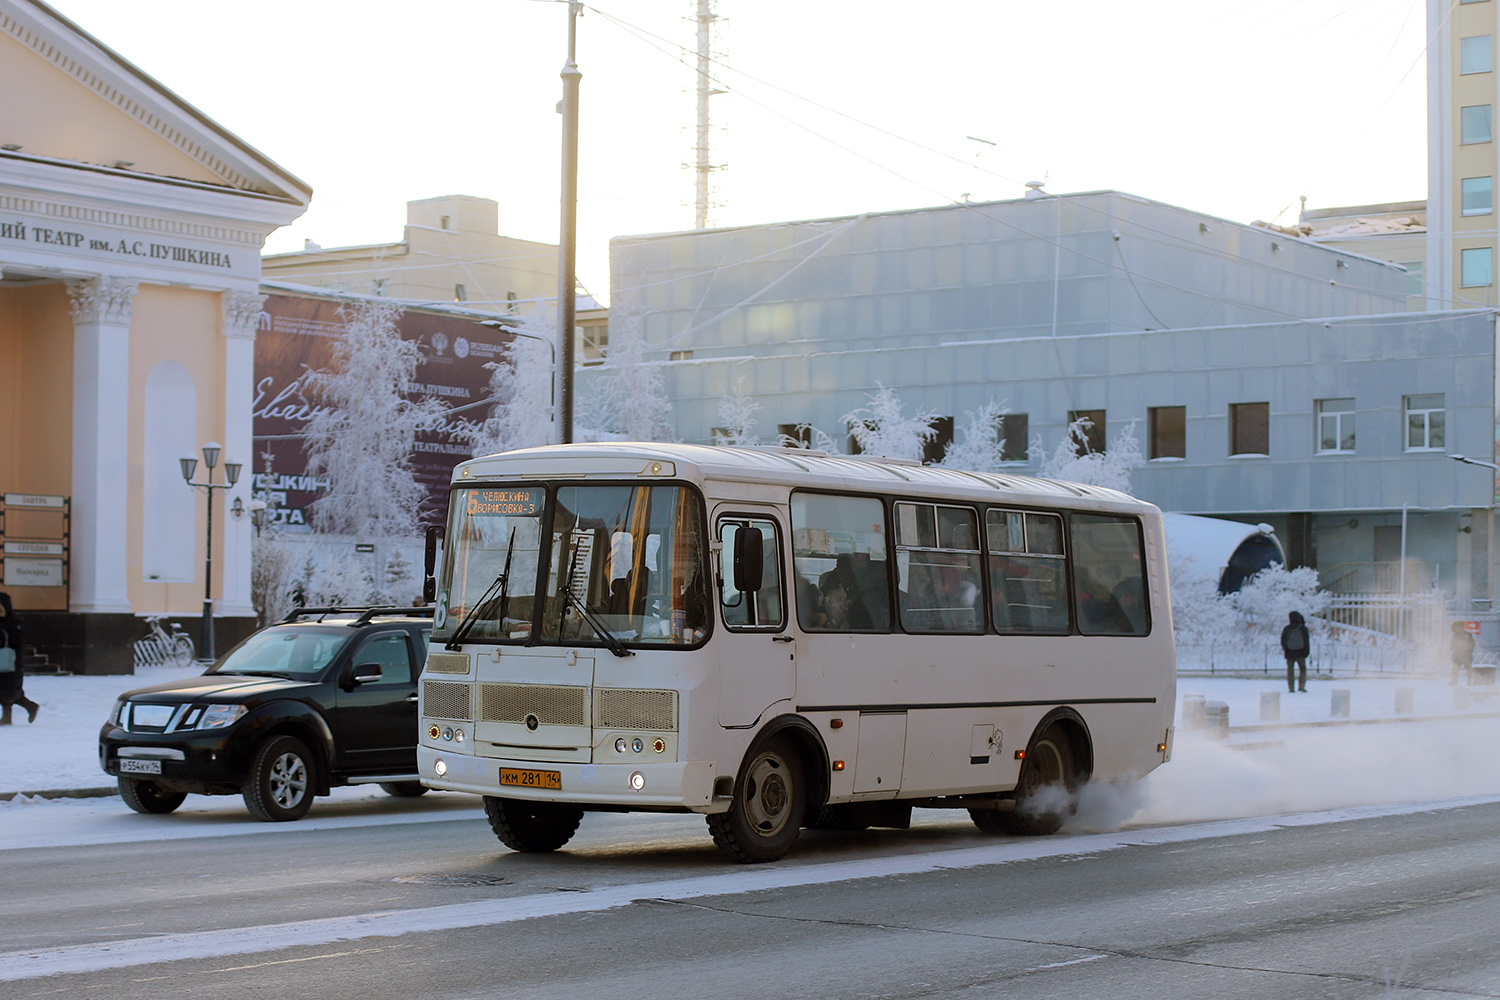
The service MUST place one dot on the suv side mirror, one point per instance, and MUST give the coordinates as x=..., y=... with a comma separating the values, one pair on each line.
x=429, y=563
x=749, y=560
x=365, y=673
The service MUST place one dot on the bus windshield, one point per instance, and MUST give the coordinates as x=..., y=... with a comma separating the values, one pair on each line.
x=625, y=564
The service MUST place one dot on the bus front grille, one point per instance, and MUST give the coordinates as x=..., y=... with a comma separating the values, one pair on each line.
x=446, y=701
x=628, y=708
x=552, y=706
x=447, y=663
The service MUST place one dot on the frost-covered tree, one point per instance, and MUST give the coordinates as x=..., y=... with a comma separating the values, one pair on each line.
x=882, y=429
x=978, y=446
x=737, y=418
x=808, y=437
x=521, y=388
x=363, y=442
x=1266, y=598
x=630, y=401
x=1074, y=460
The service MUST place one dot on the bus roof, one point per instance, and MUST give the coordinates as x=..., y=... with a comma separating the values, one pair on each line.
x=794, y=467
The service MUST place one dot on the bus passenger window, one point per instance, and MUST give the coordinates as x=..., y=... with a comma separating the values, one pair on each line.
x=1028, y=578
x=838, y=552
x=937, y=569
x=1109, y=582
x=757, y=609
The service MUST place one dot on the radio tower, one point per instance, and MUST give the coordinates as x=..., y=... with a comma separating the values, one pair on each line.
x=705, y=18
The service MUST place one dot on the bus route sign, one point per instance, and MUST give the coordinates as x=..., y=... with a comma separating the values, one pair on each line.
x=517, y=502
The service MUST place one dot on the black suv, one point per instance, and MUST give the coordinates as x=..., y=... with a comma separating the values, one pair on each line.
x=327, y=697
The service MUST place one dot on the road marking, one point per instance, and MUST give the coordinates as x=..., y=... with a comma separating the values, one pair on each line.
x=1071, y=961
x=74, y=959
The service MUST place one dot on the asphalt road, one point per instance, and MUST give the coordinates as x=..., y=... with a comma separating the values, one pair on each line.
x=1384, y=903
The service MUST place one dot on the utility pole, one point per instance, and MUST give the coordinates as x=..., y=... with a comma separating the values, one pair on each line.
x=567, y=248
x=705, y=17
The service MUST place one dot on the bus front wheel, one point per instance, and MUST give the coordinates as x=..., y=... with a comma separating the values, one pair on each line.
x=766, y=812
x=532, y=827
x=1046, y=793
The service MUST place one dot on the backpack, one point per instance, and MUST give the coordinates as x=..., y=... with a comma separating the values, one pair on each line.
x=1296, y=642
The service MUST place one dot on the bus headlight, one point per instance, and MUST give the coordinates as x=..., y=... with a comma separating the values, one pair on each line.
x=440, y=766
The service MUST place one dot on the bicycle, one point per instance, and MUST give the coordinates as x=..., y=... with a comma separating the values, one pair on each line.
x=161, y=648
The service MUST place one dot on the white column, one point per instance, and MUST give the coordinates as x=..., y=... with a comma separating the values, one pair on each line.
x=241, y=315
x=101, y=418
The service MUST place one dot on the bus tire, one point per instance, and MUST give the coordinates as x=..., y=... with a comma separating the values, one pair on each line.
x=532, y=827
x=766, y=812
x=1046, y=792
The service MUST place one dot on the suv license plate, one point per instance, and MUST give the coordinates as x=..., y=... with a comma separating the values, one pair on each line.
x=519, y=778
x=130, y=765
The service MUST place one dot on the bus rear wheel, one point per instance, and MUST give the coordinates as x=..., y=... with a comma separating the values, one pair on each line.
x=532, y=827
x=1046, y=793
x=765, y=814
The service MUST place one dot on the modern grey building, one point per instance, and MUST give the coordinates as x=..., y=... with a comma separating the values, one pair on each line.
x=1266, y=377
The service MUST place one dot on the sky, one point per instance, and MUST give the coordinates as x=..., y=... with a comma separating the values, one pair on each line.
x=1232, y=107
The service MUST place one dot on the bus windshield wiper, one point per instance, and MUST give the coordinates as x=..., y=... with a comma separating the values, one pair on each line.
x=572, y=600
x=501, y=584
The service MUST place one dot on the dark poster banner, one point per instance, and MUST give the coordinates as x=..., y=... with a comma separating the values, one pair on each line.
x=296, y=335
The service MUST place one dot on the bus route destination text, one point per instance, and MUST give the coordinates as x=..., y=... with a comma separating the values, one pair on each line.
x=515, y=502
x=129, y=248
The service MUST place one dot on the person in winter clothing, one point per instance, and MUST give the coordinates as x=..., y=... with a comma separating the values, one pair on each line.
x=1295, y=643
x=1461, y=647
x=12, y=636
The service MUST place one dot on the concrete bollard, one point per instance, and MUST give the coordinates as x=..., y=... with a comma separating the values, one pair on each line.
x=1216, y=720
x=1192, y=711
x=1405, y=701
x=1270, y=706
x=1339, y=704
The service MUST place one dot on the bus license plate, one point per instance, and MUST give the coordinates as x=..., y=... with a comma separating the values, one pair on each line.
x=530, y=779
x=129, y=765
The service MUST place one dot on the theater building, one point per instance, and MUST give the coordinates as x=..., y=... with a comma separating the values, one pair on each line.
x=130, y=236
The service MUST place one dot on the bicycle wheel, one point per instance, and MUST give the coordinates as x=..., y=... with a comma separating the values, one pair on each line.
x=183, y=652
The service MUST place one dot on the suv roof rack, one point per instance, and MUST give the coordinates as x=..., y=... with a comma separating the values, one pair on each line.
x=363, y=613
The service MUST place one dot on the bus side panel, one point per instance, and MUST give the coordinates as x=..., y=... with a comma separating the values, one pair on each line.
x=959, y=751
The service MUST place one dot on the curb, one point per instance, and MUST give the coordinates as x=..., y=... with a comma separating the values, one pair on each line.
x=62, y=793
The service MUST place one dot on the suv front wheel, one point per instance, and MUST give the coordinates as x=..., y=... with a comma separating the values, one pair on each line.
x=279, y=787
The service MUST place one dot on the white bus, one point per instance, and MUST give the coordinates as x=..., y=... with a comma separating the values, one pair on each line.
x=779, y=638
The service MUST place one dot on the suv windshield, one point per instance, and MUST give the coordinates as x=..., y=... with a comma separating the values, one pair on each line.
x=626, y=561
x=301, y=652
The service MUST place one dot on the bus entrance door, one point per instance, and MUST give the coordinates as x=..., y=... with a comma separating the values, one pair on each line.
x=757, y=656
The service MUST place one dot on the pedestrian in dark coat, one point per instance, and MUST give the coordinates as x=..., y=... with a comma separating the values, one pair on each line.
x=13, y=636
x=1295, y=643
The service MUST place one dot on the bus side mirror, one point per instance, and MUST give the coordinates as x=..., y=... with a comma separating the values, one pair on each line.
x=749, y=560
x=429, y=563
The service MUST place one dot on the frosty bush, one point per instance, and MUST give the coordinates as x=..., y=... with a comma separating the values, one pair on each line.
x=521, y=388
x=631, y=402
x=363, y=441
x=881, y=428
x=808, y=437
x=737, y=418
x=1074, y=462
x=978, y=447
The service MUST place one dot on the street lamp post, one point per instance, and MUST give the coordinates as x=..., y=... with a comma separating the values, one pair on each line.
x=232, y=475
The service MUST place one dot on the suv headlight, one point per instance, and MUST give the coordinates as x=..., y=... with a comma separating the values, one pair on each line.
x=219, y=716
x=114, y=713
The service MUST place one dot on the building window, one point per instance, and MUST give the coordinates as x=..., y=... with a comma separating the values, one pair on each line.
x=1168, y=429
x=1335, y=425
x=382, y=286
x=460, y=294
x=679, y=355
x=1478, y=195
x=1426, y=422
x=1474, y=124
x=1474, y=54
x=933, y=451
x=1415, y=285
x=510, y=302
x=1476, y=267
x=1249, y=428
x=1015, y=430
x=1092, y=433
